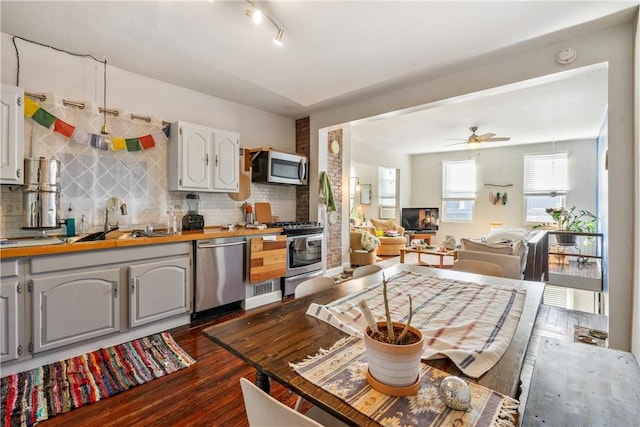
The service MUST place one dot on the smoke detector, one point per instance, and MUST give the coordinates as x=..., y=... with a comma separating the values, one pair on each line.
x=567, y=56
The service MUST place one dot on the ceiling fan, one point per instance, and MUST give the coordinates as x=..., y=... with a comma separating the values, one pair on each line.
x=485, y=137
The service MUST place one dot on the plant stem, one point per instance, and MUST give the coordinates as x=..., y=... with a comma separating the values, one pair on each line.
x=390, y=332
x=406, y=327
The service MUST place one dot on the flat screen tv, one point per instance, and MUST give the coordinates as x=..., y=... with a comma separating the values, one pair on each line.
x=421, y=219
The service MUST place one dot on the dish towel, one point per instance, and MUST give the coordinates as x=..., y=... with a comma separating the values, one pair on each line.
x=325, y=192
x=471, y=324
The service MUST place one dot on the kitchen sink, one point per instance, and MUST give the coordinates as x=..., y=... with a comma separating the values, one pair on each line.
x=144, y=233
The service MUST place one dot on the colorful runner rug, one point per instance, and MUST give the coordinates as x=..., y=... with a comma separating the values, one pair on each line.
x=341, y=371
x=41, y=393
x=472, y=324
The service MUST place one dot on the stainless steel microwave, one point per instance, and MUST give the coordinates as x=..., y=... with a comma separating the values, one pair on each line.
x=276, y=167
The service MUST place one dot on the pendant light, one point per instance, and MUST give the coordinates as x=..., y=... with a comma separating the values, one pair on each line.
x=105, y=129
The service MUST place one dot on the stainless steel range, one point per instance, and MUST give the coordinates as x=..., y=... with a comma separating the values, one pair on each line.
x=305, y=252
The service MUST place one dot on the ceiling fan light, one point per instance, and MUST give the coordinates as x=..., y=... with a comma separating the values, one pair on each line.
x=278, y=38
x=256, y=16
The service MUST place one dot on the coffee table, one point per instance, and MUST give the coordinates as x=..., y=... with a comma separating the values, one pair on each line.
x=440, y=254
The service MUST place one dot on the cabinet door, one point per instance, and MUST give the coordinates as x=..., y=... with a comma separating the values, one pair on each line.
x=11, y=136
x=195, y=148
x=226, y=172
x=75, y=307
x=159, y=289
x=9, y=322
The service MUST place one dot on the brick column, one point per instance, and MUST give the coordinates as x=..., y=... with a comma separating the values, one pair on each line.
x=303, y=146
x=334, y=231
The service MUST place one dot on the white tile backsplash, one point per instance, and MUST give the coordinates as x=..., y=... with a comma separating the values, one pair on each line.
x=90, y=176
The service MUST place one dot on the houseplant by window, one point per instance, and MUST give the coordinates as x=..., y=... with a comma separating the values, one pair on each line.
x=581, y=221
x=394, y=351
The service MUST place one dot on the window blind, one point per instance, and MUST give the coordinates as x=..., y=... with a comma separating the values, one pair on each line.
x=546, y=173
x=459, y=180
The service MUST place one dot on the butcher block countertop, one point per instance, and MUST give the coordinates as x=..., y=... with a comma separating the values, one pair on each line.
x=207, y=233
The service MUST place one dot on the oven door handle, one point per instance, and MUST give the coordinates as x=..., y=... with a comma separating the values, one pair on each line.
x=309, y=239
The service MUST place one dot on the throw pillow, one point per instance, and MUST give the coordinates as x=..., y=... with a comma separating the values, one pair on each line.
x=505, y=234
x=368, y=241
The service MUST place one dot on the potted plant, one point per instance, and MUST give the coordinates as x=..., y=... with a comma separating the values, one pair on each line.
x=394, y=351
x=581, y=221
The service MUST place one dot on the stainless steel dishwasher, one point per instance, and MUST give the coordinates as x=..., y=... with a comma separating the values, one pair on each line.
x=219, y=272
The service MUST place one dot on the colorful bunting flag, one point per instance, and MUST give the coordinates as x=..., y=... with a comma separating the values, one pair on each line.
x=118, y=144
x=30, y=107
x=147, y=142
x=42, y=117
x=99, y=142
x=80, y=136
x=63, y=128
x=133, y=144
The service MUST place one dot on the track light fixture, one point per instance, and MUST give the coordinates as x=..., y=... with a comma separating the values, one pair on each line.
x=256, y=16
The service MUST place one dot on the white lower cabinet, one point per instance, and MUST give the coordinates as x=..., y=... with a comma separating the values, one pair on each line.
x=12, y=311
x=9, y=322
x=75, y=307
x=158, y=290
x=78, y=299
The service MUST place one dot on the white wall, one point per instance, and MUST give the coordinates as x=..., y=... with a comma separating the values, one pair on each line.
x=502, y=166
x=636, y=282
x=43, y=70
x=615, y=46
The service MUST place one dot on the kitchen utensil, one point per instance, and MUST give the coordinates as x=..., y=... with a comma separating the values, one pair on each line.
x=41, y=194
x=263, y=213
x=244, y=188
x=192, y=220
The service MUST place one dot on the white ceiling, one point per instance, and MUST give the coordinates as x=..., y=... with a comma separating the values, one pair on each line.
x=335, y=52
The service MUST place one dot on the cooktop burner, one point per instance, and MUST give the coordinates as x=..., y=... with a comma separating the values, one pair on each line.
x=298, y=227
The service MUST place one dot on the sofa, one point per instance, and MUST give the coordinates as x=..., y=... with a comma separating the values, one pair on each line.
x=389, y=245
x=505, y=247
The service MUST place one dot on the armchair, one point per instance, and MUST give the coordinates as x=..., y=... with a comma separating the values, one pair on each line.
x=389, y=245
x=357, y=254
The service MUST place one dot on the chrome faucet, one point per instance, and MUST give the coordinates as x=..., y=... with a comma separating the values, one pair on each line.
x=111, y=204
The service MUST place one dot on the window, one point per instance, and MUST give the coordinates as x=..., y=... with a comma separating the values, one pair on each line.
x=387, y=193
x=458, y=190
x=545, y=184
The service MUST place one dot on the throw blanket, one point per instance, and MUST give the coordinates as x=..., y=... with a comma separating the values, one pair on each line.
x=470, y=323
x=341, y=371
x=326, y=192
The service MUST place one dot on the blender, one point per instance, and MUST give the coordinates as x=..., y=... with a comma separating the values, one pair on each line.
x=192, y=220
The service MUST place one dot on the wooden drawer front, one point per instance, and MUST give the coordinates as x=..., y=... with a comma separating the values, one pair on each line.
x=268, y=258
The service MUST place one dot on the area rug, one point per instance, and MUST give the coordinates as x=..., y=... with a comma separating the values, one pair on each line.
x=41, y=393
x=341, y=371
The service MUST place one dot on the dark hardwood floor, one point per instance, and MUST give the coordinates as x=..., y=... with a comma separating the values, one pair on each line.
x=205, y=394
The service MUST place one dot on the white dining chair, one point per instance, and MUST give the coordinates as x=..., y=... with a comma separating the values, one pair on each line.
x=365, y=270
x=265, y=411
x=478, y=267
x=311, y=286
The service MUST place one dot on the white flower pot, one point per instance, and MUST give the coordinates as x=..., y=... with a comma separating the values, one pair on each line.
x=394, y=365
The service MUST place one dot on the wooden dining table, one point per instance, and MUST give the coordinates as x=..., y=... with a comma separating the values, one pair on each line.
x=272, y=337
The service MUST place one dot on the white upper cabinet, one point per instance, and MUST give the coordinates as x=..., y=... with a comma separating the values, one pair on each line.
x=226, y=163
x=11, y=136
x=203, y=159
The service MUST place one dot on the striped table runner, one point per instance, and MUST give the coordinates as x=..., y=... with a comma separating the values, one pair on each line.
x=341, y=371
x=470, y=323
